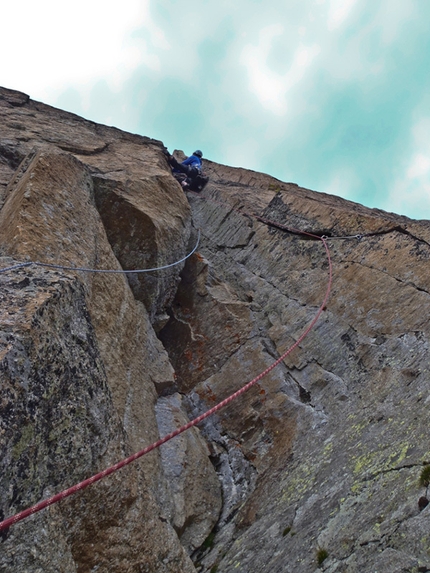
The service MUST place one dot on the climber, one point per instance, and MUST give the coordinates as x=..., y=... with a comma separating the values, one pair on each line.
x=191, y=164
x=189, y=172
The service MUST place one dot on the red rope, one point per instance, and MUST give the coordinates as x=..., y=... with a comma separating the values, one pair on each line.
x=83, y=484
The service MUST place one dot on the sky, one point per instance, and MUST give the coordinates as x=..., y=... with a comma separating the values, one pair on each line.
x=333, y=95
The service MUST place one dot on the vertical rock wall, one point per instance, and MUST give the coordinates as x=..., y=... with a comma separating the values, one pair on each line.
x=81, y=395
x=320, y=461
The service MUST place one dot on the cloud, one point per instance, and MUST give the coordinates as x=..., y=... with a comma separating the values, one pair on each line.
x=270, y=87
x=343, y=182
x=56, y=44
x=419, y=167
x=338, y=12
x=410, y=192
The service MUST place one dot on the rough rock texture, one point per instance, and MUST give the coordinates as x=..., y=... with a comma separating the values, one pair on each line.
x=315, y=468
x=331, y=444
x=80, y=396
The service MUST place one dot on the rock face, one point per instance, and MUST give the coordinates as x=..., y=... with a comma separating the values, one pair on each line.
x=316, y=467
x=81, y=396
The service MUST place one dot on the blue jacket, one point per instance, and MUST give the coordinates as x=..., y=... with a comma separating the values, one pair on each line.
x=194, y=161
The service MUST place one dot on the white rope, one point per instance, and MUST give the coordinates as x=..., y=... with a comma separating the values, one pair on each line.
x=116, y=271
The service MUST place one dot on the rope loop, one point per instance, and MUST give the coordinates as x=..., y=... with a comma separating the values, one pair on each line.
x=110, y=271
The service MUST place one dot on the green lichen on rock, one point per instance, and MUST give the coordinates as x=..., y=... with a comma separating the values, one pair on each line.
x=27, y=433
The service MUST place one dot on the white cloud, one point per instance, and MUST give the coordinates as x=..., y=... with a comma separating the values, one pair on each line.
x=411, y=191
x=391, y=17
x=410, y=197
x=270, y=87
x=343, y=182
x=419, y=167
x=351, y=52
x=338, y=12
x=317, y=30
x=245, y=154
x=56, y=44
